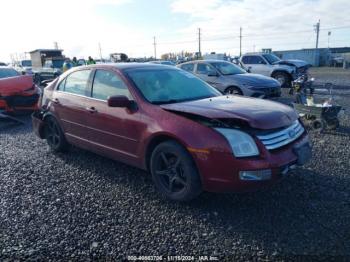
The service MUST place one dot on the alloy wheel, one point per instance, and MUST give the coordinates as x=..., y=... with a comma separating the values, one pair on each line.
x=171, y=173
x=53, y=134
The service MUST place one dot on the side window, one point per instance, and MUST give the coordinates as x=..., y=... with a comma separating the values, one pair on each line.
x=106, y=84
x=256, y=60
x=187, y=67
x=76, y=82
x=246, y=60
x=203, y=69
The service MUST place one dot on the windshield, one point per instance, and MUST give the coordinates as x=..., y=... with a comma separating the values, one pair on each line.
x=8, y=72
x=26, y=63
x=228, y=68
x=271, y=58
x=164, y=86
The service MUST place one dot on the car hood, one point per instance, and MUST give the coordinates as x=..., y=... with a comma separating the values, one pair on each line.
x=254, y=80
x=15, y=85
x=293, y=62
x=257, y=113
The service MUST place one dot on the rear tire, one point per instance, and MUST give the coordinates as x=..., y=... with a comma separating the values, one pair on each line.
x=174, y=172
x=232, y=90
x=54, y=135
x=283, y=78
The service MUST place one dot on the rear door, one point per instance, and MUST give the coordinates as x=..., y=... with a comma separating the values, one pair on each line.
x=114, y=132
x=69, y=105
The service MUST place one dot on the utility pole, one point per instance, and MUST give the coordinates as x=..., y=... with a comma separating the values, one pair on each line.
x=100, y=51
x=317, y=29
x=155, y=48
x=199, y=43
x=240, y=41
x=329, y=35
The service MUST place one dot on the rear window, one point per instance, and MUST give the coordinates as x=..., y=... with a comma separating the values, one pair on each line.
x=8, y=72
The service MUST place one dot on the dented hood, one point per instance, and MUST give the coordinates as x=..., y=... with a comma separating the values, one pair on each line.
x=14, y=85
x=293, y=62
x=257, y=113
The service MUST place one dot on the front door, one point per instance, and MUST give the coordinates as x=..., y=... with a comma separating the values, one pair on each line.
x=202, y=72
x=258, y=65
x=114, y=132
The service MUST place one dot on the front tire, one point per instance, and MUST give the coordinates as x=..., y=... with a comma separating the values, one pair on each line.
x=174, y=172
x=54, y=135
x=283, y=79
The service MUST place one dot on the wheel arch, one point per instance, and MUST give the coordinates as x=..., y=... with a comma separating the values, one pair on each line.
x=233, y=86
x=157, y=139
x=49, y=114
x=281, y=71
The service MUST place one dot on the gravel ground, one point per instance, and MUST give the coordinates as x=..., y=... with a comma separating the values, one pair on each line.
x=337, y=76
x=81, y=206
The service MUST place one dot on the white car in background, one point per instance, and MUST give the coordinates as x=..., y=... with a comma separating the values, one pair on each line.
x=285, y=71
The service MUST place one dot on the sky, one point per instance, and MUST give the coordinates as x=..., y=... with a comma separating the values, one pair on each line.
x=128, y=26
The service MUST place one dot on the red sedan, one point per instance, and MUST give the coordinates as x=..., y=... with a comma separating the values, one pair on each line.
x=169, y=122
x=17, y=92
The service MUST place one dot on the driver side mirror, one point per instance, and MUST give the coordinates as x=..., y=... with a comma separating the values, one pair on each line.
x=119, y=101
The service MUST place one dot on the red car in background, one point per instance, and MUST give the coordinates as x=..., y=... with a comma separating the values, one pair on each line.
x=18, y=92
x=176, y=126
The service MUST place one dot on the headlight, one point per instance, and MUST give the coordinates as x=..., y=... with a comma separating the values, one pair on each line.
x=242, y=144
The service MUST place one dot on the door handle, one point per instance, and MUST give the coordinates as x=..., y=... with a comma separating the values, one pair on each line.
x=91, y=109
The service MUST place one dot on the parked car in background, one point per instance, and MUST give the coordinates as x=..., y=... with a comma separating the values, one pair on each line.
x=82, y=62
x=3, y=64
x=163, y=62
x=231, y=79
x=285, y=71
x=17, y=92
x=176, y=126
x=24, y=67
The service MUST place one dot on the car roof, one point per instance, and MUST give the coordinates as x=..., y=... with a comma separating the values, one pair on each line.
x=205, y=61
x=124, y=66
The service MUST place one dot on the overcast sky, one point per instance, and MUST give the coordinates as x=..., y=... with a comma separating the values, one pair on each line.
x=129, y=25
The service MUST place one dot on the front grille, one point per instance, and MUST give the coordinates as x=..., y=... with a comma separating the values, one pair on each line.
x=281, y=138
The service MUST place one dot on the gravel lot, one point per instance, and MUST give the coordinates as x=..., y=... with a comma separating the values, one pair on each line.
x=337, y=76
x=82, y=206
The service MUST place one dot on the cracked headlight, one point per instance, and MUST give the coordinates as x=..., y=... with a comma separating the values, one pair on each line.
x=242, y=144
